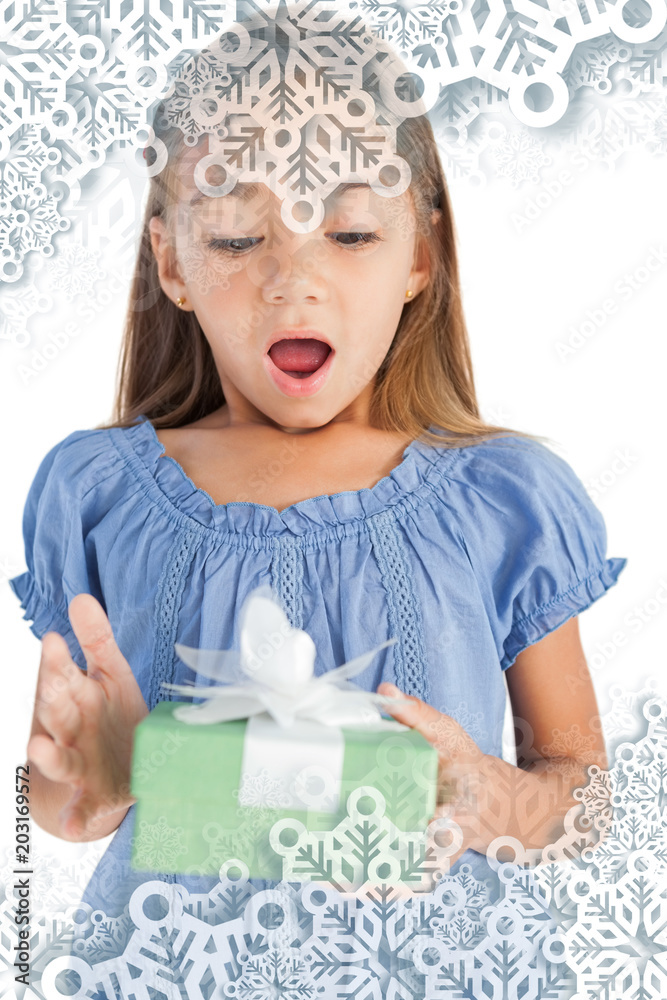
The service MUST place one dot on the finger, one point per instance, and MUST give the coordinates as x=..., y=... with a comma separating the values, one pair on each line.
x=75, y=814
x=86, y=812
x=93, y=631
x=443, y=732
x=57, y=763
x=60, y=681
x=59, y=685
x=57, y=670
x=61, y=718
x=413, y=712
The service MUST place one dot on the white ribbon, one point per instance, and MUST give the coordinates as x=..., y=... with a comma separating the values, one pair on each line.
x=275, y=671
x=296, y=768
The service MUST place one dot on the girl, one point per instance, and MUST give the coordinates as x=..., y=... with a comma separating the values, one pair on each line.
x=296, y=406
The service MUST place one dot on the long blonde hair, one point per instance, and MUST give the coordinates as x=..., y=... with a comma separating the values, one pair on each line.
x=167, y=371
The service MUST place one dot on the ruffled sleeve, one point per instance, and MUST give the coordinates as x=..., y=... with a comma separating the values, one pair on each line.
x=536, y=541
x=54, y=539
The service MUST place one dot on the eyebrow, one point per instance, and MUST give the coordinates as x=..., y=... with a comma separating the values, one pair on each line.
x=246, y=192
x=342, y=188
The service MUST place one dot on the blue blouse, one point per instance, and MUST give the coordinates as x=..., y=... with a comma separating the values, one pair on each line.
x=465, y=555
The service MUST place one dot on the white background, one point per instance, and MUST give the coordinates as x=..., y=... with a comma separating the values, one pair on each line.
x=523, y=292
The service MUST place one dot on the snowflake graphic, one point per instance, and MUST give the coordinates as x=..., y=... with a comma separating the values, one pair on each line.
x=280, y=974
x=639, y=799
x=315, y=102
x=657, y=135
x=463, y=925
x=590, y=63
x=51, y=939
x=454, y=732
x=399, y=217
x=625, y=716
x=80, y=86
x=365, y=848
x=246, y=845
x=98, y=937
x=74, y=271
x=158, y=845
x=519, y=157
x=29, y=217
x=55, y=883
x=18, y=308
x=604, y=129
x=592, y=923
x=408, y=25
x=471, y=722
x=263, y=791
x=571, y=748
x=588, y=822
x=619, y=940
x=205, y=271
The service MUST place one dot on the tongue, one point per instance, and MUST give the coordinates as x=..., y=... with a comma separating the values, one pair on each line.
x=299, y=358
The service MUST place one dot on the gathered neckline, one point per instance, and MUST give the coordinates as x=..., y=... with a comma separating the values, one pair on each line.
x=143, y=449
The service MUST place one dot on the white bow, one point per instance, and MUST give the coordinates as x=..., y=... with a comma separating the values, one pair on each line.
x=278, y=660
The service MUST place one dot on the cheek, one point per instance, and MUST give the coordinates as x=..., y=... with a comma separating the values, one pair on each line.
x=234, y=321
x=201, y=266
x=205, y=270
x=381, y=277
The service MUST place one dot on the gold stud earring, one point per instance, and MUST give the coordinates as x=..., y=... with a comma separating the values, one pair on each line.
x=408, y=294
x=180, y=302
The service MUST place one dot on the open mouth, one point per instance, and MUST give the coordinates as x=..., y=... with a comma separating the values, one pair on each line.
x=299, y=358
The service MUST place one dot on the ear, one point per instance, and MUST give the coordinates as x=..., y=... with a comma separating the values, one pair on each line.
x=169, y=273
x=421, y=271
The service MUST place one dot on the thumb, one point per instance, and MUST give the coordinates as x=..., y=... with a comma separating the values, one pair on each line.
x=411, y=711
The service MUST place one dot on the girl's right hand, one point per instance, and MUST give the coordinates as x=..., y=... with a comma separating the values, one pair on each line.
x=83, y=727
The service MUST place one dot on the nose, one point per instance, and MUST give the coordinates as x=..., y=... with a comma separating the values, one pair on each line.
x=293, y=274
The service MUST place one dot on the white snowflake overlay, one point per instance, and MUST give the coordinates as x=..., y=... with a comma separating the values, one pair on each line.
x=77, y=85
x=503, y=82
x=590, y=924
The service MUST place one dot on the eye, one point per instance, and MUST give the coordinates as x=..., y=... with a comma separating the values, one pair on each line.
x=354, y=240
x=235, y=246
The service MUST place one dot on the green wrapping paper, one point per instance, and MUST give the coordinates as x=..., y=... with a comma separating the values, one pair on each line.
x=186, y=780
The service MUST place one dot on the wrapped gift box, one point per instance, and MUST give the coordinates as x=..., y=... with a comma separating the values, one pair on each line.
x=273, y=745
x=210, y=793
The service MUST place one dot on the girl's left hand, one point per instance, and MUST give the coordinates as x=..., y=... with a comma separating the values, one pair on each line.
x=459, y=762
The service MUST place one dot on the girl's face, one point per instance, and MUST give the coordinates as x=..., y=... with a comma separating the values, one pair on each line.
x=252, y=281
